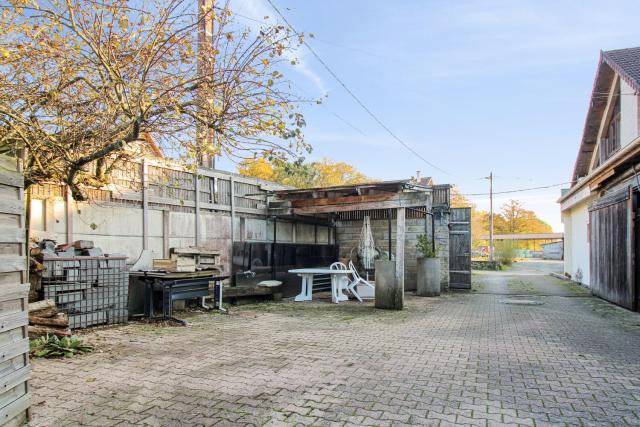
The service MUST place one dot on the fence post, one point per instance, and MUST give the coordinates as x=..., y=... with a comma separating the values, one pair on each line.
x=68, y=212
x=232, y=191
x=197, y=203
x=145, y=204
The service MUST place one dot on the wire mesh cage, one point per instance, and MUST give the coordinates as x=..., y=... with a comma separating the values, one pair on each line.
x=90, y=290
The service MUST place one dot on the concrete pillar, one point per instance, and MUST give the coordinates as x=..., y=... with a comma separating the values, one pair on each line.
x=68, y=213
x=388, y=295
x=145, y=204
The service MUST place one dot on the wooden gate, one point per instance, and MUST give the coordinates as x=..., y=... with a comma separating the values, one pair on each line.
x=14, y=289
x=611, y=247
x=460, y=249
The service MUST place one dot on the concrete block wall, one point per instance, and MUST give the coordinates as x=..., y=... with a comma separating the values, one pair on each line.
x=117, y=228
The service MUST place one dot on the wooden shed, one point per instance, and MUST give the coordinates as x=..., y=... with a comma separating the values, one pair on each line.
x=398, y=212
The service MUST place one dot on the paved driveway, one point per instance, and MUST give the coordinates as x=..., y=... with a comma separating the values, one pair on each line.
x=500, y=355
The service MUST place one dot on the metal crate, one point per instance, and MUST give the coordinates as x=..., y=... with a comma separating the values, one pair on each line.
x=91, y=290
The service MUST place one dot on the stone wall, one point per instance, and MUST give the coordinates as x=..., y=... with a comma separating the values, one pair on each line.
x=348, y=236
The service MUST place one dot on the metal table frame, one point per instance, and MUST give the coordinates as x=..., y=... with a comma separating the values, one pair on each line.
x=179, y=286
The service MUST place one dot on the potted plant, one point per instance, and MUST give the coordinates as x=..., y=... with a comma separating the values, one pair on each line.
x=428, y=268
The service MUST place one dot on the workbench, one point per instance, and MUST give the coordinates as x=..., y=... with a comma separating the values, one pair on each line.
x=178, y=286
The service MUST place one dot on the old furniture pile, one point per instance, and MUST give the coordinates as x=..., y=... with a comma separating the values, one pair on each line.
x=87, y=285
x=188, y=273
x=189, y=259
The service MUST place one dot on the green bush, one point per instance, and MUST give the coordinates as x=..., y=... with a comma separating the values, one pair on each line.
x=425, y=247
x=505, y=253
x=52, y=346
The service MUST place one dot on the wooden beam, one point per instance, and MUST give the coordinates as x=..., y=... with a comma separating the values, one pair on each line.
x=402, y=200
x=400, y=235
x=302, y=203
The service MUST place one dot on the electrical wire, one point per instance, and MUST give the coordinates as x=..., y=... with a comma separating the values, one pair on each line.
x=520, y=190
x=353, y=95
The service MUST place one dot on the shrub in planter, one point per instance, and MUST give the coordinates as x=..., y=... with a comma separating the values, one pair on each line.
x=428, y=268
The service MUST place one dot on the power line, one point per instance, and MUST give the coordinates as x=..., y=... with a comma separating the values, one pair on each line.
x=353, y=95
x=518, y=190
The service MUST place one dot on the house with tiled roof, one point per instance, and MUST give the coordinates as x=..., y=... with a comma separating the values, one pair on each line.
x=600, y=211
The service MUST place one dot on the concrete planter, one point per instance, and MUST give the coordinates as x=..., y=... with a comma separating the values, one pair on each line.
x=389, y=294
x=428, y=277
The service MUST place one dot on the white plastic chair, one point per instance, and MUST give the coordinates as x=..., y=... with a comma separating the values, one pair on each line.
x=345, y=283
x=357, y=280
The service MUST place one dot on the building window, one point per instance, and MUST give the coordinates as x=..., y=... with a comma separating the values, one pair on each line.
x=611, y=141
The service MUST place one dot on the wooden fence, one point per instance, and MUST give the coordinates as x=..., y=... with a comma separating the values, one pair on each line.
x=14, y=290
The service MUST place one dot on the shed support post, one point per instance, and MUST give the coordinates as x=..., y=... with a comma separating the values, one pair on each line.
x=400, y=233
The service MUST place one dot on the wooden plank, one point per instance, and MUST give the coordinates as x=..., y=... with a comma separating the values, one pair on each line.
x=246, y=291
x=14, y=349
x=15, y=207
x=11, y=178
x=390, y=204
x=301, y=203
x=14, y=291
x=10, y=263
x=14, y=378
x=13, y=320
x=15, y=408
x=11, y=234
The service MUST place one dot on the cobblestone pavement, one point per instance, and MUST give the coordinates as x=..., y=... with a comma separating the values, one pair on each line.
x=461, y=359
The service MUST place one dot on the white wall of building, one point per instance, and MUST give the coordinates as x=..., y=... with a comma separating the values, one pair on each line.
x=628, y=114
x=576, y=241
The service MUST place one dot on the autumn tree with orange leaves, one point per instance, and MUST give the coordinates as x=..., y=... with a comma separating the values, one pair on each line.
x=299, y=174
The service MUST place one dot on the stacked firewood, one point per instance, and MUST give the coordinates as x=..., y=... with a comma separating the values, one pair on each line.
x=44, y=319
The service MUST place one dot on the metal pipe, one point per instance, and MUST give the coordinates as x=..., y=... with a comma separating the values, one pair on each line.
x=433, y=227
x=389, y=230
x=273, y=250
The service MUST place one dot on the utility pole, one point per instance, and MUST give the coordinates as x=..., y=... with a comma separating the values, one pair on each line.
x=205, y=63
x=490, y=216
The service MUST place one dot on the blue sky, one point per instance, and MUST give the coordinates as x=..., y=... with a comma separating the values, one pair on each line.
x=473, y=86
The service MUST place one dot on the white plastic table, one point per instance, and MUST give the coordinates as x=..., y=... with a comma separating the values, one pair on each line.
x=307, y=282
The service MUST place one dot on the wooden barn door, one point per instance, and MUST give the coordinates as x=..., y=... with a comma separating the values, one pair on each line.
x=611, y=245
x=460, y=249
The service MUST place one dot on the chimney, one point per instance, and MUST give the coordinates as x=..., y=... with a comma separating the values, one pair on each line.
x=418, y=176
